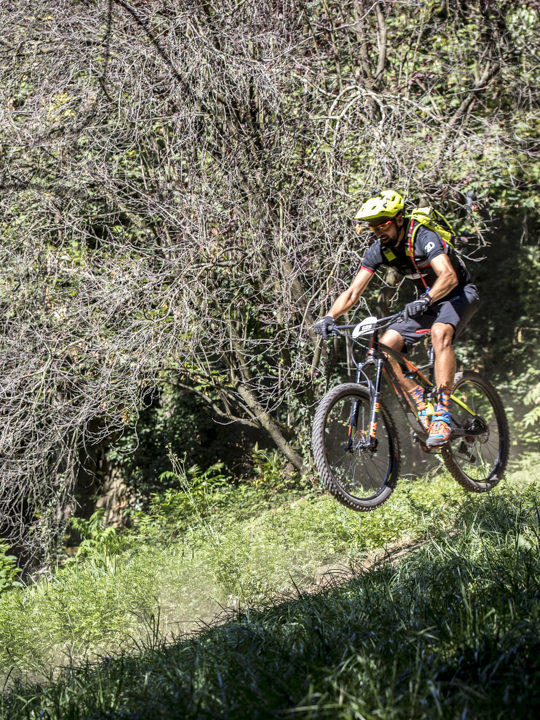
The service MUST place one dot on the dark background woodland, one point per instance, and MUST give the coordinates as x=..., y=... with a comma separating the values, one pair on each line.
x=179, y=181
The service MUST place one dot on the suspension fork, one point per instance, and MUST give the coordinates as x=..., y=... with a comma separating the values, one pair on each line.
x=375, y=402
x=353, y=422
x=370, y=438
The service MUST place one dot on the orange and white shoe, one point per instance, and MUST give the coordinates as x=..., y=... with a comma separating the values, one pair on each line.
x=439, y=430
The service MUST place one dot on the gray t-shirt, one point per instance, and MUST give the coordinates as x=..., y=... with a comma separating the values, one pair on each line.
x=427, y=245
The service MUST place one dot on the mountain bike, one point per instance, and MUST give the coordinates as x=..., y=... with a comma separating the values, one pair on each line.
x=355, y=441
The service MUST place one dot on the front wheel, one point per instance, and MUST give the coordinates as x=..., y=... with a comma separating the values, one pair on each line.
x=477, y=453
x=359, y=473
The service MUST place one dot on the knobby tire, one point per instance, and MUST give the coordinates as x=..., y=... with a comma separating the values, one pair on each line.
x=478, y=463
x=348, y=476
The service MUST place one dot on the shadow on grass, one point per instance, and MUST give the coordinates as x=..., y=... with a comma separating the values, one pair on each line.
x=451, y=631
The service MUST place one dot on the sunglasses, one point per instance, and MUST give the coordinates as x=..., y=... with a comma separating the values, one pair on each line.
x=376, y=228
x=379, y=227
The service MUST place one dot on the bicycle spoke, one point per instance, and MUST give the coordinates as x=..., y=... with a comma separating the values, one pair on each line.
x=360, y=471
x=477, y=458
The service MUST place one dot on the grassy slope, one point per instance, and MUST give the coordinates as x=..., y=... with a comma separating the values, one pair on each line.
x=239, y=555
x=451, y=628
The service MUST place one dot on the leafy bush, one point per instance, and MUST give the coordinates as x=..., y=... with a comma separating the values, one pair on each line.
x=191, y=496
x=175, y=423
x=97, y=540
x=8, y=569
x=449, y=631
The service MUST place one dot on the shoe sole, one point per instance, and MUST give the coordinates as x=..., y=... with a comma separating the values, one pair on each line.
x=437, y=444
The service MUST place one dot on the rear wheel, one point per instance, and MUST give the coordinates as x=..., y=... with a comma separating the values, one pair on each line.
x=477, y=453
x=360, y=476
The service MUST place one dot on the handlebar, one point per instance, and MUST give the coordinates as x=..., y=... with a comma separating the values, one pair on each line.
x=367, y=326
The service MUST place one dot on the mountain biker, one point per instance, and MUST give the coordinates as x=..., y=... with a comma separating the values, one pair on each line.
x=446, y=299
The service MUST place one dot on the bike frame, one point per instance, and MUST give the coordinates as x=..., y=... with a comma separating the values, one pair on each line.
x=377, y=355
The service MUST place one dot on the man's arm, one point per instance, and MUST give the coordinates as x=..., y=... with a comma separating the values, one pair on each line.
x=350, y=297
x=446, y=280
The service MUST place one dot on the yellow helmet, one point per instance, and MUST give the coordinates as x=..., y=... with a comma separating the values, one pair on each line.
x=387, y=204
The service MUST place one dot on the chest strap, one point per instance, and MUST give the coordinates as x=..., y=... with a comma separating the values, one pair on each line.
x=410, y=247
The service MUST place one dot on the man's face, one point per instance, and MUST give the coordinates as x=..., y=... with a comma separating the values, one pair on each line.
x=388, y=230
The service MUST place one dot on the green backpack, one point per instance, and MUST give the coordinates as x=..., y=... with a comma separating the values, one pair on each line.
x=432, y=219
x=429, y=217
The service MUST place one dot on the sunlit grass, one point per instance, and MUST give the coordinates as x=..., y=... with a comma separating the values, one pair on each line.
x=375, y=642
x=106, y=601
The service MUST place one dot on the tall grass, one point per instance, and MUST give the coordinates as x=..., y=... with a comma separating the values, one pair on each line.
x=185, y=569
x=450, y=630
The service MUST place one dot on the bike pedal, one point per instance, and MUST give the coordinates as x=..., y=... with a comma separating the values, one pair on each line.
x=417, y=440
x=429, y=450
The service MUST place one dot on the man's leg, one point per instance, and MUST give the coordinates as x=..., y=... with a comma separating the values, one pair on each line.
x=393, y=339
x=442, y=335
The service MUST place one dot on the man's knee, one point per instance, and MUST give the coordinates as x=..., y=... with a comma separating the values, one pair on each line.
x=442, y=335
x=393, y=339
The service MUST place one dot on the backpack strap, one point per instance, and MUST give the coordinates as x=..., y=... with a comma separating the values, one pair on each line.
x=410, y=247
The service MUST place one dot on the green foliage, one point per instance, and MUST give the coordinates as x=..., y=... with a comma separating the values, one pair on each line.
x=529, y=426
x=207, y=547
x=86, y=609
x=502, y=339
x=192, y=496
x=503, y=336
x=175, y=422
x=532, y=417
x=97, y=540
x=8, y=569
x=271, y=475
x=449, y=630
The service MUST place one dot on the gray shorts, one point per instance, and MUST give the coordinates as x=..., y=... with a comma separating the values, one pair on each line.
x=456, y=310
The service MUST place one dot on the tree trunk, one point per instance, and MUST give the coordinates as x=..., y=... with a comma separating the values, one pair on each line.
x=272, y=427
